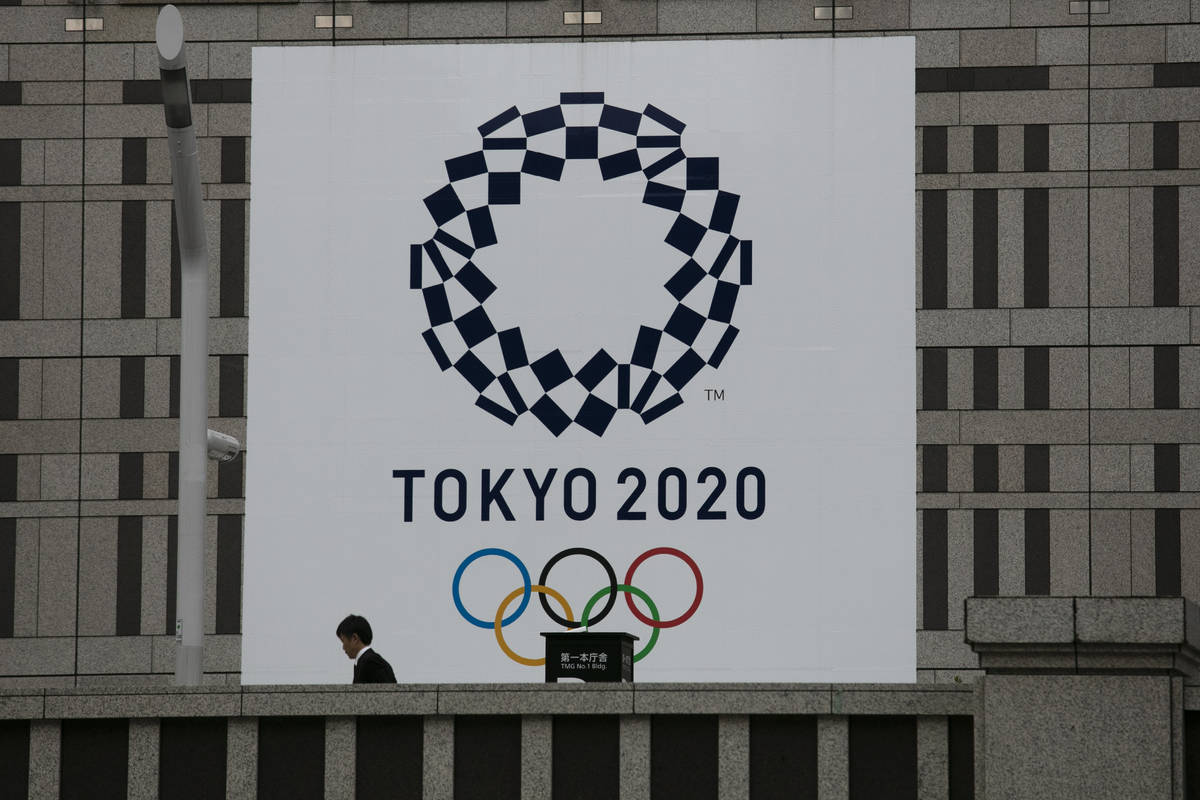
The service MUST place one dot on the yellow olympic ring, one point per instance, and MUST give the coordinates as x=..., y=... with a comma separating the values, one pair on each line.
x=562, y=601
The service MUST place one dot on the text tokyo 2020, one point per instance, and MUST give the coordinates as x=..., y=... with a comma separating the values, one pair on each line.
x=672, y=494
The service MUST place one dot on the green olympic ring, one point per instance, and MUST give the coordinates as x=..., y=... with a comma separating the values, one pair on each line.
x=587, y=610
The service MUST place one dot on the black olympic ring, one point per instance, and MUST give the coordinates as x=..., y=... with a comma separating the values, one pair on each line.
x=612, y=584
x=709, y=280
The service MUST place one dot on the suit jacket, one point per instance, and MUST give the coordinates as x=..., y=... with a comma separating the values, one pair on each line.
x=372, y=668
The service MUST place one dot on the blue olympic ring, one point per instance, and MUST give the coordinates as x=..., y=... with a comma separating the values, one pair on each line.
x=491, y=551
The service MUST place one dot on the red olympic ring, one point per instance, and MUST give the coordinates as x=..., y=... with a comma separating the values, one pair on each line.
x=669, y=623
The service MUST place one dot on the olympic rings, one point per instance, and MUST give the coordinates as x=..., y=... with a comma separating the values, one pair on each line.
x=612, y=584
x=654, y=623
x=489, y=551
x=498, y=624
x=528, y=587
x=583, y=619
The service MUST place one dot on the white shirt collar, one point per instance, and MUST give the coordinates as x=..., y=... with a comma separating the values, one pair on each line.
x=360, y=653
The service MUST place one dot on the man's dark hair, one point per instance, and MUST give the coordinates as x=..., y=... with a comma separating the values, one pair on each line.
x=355, y=624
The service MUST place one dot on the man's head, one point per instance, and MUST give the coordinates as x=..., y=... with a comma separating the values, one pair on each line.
x=355, y=634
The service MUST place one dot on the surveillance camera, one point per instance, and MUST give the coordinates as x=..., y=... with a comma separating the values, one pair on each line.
x=222, y=447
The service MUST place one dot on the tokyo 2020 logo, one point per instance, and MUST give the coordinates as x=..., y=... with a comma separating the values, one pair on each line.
x=716, y=265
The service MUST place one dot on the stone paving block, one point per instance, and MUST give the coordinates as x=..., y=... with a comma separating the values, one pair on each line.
x=998, y=47
x=1189, y=379
x=1068, y=247
x=1072, y=77
x=1060, y=46
x=1128, y=45
x=60, y=476
x=52, y=93
x=706, y=16
x=1010, y=233
x=102, y=261
x=1068, y=377
x=954, y=14
x=1125, y=105
x=1117, y=76
x=1109, y=229
x=621, y=18
x=45, y=62
x=959, y=269
x=1110, y=468
x=1110, y=377
x=1143, y=12
x=1141, y=377
x=4, y=62
x=1049, y=326
x=1148, y=326
x=1110, y=559
x=57, y=557
x=114, y=654
x=1038, y=13
x=102, y=161
x=1012, y=551
x=98, y=576
x=1141, y=243
x=109, y=62
x=33, y=169
x=1011, y=148
x=219, y=22
x=1011, y=370
x=874, y=15
x=60, y=388
x=378, y=21
x=1024, y=107
x=464, y=20
x=541, y=18
x=960, y=378
x=29, y=387
x=783, y=15
x=1189, y=246
x=962, y=328
x=1069, y=564
x=293, y=22
x=936, y=48
x=937, y=108
x=1020, y=427
x=1145, y=426
x=1069, y=468
x=1012, y=468
x=1068, y=147
x=1110, y=146
x=1141, y=552
x=1183, y=43
x=63, y=161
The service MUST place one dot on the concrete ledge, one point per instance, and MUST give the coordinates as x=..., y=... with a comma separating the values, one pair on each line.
x=370, y=700
x=684, y=699
x=566, y=698
x=84, y=704
x=1150, y=635
x=22, y=704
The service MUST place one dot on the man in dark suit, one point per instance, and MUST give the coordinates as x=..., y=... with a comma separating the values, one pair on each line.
x=354, y=632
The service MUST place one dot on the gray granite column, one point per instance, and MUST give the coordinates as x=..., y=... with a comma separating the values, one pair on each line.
x=537, y=752
x=635, y=757
x=241, y=759
x=340, y=737
x=439, y=758
x=833, y=758
x=143, y=759
x=1082, y=695
x=933, y=758
x=733, y=757
x=45, y=758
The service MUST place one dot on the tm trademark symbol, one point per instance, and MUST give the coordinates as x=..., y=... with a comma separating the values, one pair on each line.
x=714, y=394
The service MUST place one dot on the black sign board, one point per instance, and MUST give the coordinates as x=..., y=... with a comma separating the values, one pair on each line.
x=589, y=656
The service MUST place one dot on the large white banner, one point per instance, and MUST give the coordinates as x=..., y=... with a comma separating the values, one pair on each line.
x=583, y=316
